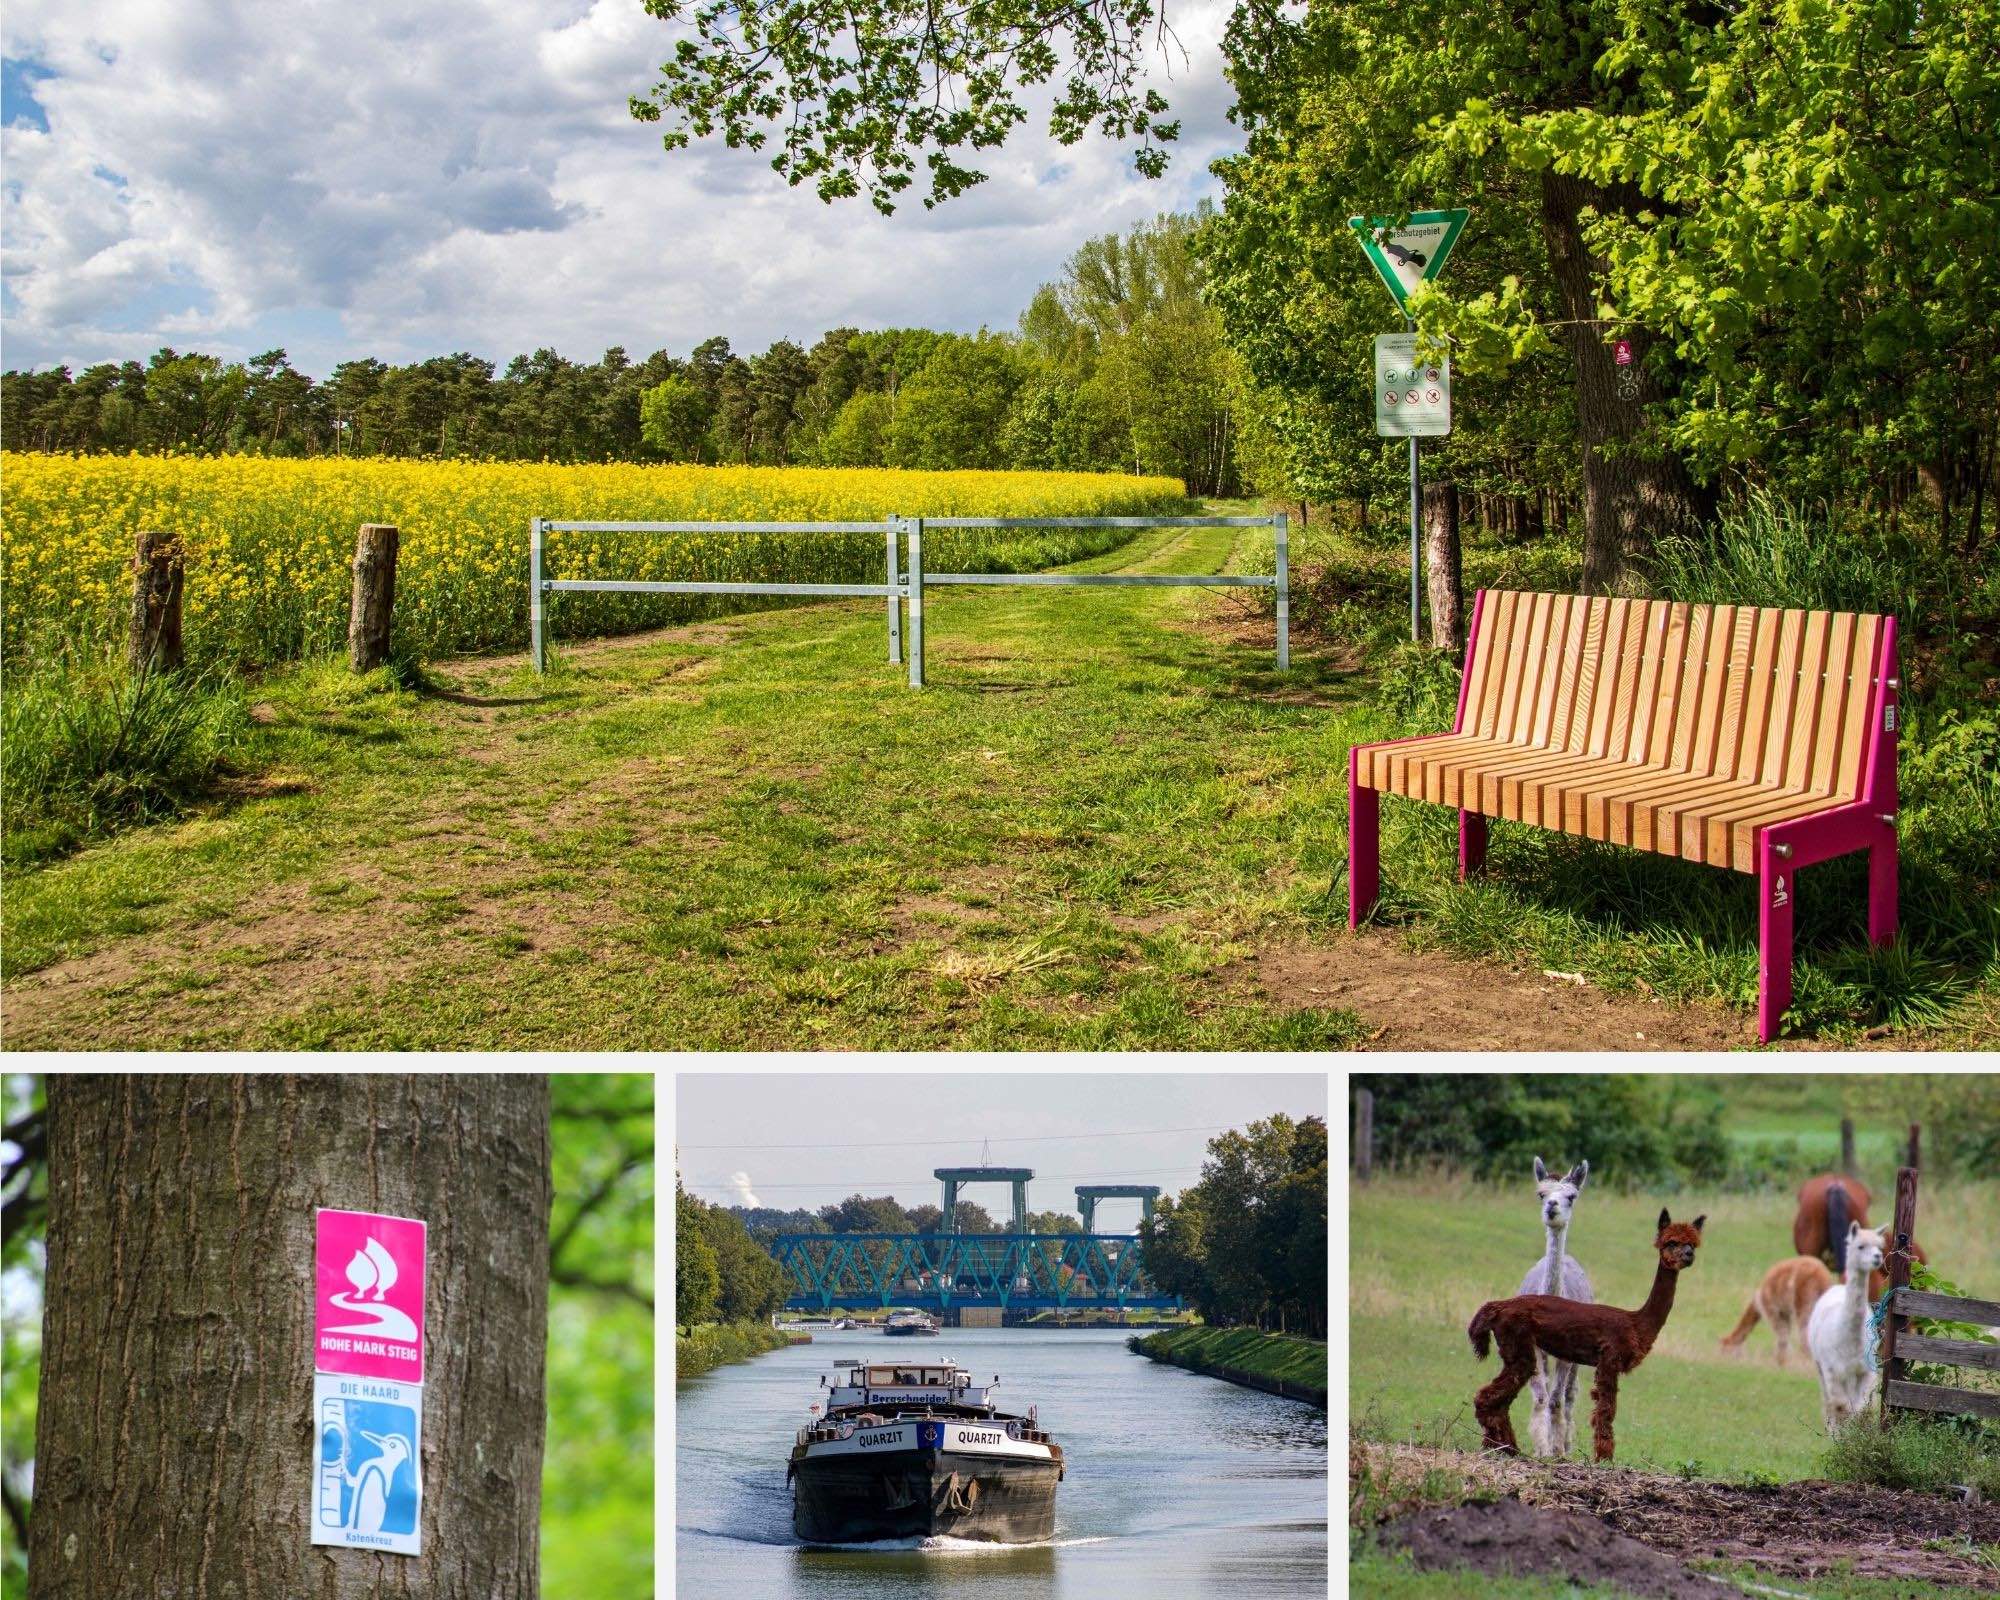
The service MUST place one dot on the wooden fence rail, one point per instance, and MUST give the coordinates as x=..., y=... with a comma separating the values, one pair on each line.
x=1900, y=1346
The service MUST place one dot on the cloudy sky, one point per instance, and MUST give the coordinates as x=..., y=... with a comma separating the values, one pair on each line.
x=398, y=179
x=812, y=1139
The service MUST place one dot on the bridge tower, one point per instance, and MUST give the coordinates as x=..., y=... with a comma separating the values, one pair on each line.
x=1088, y=1194
x=953, y=1177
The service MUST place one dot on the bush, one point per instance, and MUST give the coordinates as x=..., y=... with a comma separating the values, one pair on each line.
x=86, y=745
x=1915, y=1453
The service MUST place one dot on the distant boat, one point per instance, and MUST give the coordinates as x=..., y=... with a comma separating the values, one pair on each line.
x=909, y=1323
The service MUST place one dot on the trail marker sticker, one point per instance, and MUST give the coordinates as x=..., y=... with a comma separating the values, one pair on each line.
x=1412, y=254
x=1412, y=400
x=368, y=1489
x=369, y=1296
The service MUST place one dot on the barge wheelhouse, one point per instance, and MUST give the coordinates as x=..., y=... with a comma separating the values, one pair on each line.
x=916, y=1449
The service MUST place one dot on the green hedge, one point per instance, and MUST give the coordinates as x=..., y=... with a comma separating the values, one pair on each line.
x=1278, y=1363
x=715, y=1344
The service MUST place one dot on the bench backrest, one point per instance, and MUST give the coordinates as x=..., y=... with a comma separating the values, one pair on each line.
x=1752, y=693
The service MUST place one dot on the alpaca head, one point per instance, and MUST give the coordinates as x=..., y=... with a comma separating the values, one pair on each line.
x=1558, y=1195
x=1677, y=1241
x=1867, y=1248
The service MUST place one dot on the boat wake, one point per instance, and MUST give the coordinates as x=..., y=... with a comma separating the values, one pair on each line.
x=943, y=1544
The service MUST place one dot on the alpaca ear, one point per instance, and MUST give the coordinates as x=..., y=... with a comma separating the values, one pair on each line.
x=1579, y=1174
x=1698, y=1221
x=1541, y=1172
x=1664, y=1219
x=1853, y=1228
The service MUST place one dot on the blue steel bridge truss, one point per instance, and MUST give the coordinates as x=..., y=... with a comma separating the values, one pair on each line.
x=1016, y=1271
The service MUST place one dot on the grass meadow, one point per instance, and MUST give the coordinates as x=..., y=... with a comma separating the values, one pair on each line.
x=1425, y=1252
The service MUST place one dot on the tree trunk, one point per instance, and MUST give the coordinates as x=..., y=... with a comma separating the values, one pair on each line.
x=1443, y=576
x=371, y=618
x=158, y=574
x=175, y=1442
x=1632, y=497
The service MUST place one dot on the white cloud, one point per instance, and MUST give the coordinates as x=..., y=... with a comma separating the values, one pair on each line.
x=353, y=177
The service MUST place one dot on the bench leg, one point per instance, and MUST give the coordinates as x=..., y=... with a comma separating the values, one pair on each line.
x=1364, y=846
x=1471, y=843
x=1776, y=887
x=1882, y=888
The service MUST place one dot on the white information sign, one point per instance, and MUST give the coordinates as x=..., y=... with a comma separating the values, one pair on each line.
x=1412, y=397
x=368, y=1489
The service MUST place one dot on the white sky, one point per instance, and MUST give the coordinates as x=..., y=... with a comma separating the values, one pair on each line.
x=812, y=1139
x=375, y=177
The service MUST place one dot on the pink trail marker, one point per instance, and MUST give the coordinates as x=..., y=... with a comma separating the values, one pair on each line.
x=368, y=1295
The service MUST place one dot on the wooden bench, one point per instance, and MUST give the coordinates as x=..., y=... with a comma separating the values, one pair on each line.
x=1745, y=737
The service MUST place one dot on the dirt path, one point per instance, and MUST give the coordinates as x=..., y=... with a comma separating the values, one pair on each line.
x=1435, y=1001
x=1795, y=1530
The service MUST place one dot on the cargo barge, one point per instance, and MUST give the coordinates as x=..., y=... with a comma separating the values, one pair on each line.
x=918, y=1450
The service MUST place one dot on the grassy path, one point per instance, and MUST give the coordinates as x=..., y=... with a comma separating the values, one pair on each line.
x=1108, y=822
x=745, y=833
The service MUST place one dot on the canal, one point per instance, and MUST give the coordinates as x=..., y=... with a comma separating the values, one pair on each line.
x=1178, y=1485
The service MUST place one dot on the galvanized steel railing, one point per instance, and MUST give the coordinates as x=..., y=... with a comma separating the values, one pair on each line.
x=907, y=580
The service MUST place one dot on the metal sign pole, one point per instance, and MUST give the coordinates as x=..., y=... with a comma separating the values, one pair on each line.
x=1416, y=530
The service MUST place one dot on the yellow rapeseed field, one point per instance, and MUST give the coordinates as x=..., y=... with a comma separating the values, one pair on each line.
x=269, y=541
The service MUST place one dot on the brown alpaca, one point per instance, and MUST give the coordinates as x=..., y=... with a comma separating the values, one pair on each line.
x=1785, y=1299
x=1819, y=1226
x=1612, y=1341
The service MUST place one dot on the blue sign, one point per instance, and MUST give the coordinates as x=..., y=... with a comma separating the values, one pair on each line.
x=369, y=1489
x=931, y=1434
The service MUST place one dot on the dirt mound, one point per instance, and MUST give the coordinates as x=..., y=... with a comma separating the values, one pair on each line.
x=1506, y=1537
x=1793, y=1530
x=1801, y=1529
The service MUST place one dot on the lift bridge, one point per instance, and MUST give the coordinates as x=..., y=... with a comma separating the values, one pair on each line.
x=949, y=1271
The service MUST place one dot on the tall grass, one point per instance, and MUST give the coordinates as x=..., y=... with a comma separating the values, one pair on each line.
x=87, y=744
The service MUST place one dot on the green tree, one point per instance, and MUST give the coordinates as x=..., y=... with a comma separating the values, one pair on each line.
x=697, y=1274
x=858, y=436
x=674, y=418
x=951, y=414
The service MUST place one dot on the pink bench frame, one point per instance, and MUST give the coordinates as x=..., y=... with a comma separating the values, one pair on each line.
x=1783, y=848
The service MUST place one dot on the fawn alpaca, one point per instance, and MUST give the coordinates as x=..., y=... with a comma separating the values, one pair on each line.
x=1785, y=1299
x=1837, y=1335
x=1604, y=1337
x=1558, y=1273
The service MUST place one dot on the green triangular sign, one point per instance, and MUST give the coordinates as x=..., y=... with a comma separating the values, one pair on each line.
x=1413, y=253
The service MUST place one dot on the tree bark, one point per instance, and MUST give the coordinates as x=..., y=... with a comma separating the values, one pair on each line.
x=1631, y=497
x=1443, y=574
x=175, y=1441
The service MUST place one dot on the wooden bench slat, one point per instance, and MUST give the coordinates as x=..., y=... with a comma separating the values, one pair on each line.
x=1845, y=778
x=1809, y=692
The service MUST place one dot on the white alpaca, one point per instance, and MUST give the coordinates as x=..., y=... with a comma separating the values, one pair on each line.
x=1554, y=1382
x=1837, y=1335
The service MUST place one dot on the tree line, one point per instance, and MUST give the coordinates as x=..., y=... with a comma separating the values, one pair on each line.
x=1714, y=250
x=721, y=1274
x=1119, y=365
x=1247, y=1244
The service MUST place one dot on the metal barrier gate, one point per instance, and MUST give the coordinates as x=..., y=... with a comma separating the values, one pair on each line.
x=917, y=579
x=540, y=587
x=907, y=579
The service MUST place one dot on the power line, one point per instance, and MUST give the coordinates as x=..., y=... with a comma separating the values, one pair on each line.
x=931, y=1145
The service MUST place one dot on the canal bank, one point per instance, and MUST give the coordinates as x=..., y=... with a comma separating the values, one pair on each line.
x=1276, y=1363
x=716, y=1344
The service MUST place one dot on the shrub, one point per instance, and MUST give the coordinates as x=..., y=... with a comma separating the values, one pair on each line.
x=1916, y=1453
x=86, y=744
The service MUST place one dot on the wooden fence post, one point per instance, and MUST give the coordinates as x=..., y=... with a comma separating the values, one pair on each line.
x=373, y=612
x=158, y=576
x=1901, y=1233
x=1364, y=1134
x=1847, y=1145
